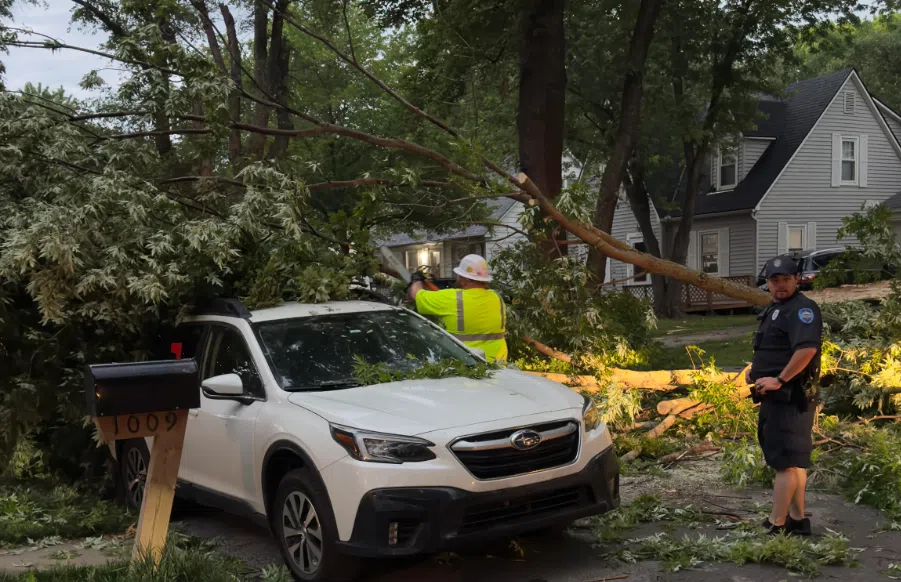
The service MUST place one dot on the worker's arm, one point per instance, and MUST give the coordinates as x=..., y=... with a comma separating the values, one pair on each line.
x=415, y=287
x=800, y=359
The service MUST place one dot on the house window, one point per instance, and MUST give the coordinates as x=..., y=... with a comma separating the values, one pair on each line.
x=424, y=259
x=710, y=252
x=849, y=160
x=460, y=250
x=727, y=170
x=638, y=274
x=796, y=236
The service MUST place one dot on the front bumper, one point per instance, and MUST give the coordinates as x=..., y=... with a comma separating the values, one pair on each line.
x=430, y=519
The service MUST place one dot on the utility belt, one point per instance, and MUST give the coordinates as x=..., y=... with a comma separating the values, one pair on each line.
x=801, y=391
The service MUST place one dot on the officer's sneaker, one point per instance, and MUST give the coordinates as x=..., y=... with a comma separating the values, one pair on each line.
x=774, y=530
x=797, y=527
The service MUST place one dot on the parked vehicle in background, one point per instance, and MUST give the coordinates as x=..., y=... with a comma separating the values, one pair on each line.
x=857, y=269
x=287, y=436
x=809, y=264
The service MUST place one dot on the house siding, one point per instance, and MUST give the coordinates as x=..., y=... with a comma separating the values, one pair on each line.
x=497, y=238
x=751, y=151
x=894, y=125
x=624, y=224
x=804, y=193
x=742, y=234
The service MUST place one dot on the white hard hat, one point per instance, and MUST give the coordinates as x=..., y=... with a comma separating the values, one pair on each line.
x=474, y=267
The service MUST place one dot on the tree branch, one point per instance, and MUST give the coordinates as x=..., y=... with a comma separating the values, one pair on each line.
x=200, y=6
x=350, y=38
x=114, y=27
x=56, y=45
x=378, y=181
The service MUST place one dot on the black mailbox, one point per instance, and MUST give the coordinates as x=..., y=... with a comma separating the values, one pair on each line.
x=135, y=388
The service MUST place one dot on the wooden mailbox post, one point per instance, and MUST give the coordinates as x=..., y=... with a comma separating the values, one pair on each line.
x=147, y=399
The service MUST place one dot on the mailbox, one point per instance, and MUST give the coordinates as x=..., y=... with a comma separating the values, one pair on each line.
x=144, y=387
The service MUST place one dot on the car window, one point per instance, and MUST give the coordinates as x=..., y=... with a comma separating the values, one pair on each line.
x=321, y=351
x=228, y=354
x=822, y=260
x=186, y=340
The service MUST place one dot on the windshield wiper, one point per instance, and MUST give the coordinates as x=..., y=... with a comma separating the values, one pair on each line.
x=332, y=385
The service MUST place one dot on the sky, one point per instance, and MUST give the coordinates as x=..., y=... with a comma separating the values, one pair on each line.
x=63, y=68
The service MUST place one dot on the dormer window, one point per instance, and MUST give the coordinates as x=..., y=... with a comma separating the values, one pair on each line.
x=727, y=170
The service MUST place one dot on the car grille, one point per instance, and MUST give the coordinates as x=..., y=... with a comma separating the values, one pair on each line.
x=484, y=516
x=492, y=455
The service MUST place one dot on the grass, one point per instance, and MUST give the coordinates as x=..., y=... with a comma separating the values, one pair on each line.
x=33, y=513
x=702, y=323
x=734, y=352
x=186, y=559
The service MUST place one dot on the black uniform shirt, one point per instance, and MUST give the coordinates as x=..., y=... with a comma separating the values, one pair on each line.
x=785, y=327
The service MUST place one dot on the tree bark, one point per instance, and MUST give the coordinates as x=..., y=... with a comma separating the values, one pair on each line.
x=234, y=96
x=256, y=144
x=542, y=100
x=278, y=68
x=627, y=131
x=640, y=204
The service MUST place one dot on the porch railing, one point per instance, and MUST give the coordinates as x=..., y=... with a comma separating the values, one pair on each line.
x=697, y=299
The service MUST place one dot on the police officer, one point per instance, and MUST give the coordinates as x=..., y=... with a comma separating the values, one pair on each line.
x=785, y=365
x=473, y=313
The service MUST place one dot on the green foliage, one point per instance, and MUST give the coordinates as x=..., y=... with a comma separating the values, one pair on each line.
x=40, y=512
x=803, y=556
x=366, y=374
x=727, y=414
x=644, y=509
x=551, y=301
x=743, y=465
x=876, y=258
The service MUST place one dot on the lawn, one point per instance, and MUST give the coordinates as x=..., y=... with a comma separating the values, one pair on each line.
x=730, y=353
x=702, y=323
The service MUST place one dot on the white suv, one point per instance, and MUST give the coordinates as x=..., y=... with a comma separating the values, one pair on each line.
x=337, y=470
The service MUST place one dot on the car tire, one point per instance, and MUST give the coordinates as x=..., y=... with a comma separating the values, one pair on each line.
x=133, y=462
x=304, y=525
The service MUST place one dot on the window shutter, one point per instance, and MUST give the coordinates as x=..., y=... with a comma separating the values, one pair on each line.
x=692, y=262
x=862, y=160
x=783, y=238
x=714, y=170
x=723, y=259
x=836, y=160
x=607, y=274
x=811, y=235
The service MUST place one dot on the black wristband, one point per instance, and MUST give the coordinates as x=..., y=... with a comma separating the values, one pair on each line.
x=780, y=380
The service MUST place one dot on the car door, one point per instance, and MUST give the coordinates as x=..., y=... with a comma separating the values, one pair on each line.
x=218, y=451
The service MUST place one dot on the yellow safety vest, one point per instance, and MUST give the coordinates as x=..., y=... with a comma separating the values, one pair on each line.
x=477, y=317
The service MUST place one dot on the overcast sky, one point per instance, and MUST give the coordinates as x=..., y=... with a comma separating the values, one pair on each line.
x=63, y=68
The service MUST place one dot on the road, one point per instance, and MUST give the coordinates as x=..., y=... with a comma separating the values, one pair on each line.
x=574, y=557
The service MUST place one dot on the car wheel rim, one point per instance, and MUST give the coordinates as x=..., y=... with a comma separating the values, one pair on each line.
x=302, y=531
x=135, y=476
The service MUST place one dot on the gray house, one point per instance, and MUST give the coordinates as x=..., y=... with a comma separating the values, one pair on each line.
x=819, y=154
x=439, y=253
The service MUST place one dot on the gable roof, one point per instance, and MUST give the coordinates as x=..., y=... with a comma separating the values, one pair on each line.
x=790, y=121
x=499, y=207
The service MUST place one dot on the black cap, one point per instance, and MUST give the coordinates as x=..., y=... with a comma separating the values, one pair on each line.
x=783, y=265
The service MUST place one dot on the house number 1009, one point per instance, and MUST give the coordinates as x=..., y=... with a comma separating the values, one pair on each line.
x=151, y=423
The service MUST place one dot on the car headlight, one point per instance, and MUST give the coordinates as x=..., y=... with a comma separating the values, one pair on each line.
x=376, y=447
x=591, y=418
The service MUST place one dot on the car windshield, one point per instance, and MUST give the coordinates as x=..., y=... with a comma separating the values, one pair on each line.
x=318, y=353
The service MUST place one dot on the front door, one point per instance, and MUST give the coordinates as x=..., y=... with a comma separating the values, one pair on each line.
x=218, y=451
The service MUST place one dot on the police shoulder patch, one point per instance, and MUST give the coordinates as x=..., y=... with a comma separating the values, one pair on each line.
x=806, y=315
x=775, y=314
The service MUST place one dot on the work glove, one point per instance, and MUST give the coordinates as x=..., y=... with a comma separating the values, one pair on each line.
x=417, y=276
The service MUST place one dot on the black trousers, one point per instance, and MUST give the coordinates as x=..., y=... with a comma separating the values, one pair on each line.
x=784, y=434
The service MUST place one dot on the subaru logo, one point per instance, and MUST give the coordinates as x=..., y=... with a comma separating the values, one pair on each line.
x=525, y=439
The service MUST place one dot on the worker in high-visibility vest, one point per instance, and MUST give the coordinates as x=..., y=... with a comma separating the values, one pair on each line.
x=473, y=313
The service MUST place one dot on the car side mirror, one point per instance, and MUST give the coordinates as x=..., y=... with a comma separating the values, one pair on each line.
x=479, y=352
x=224, y=385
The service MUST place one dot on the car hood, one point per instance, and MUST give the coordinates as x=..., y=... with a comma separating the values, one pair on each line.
x=418, y=406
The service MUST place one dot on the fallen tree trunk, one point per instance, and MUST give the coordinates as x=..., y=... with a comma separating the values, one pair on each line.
x=704, y=447
x=656, y=380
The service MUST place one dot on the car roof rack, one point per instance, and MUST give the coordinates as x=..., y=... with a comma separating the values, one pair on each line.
x=221, y=306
